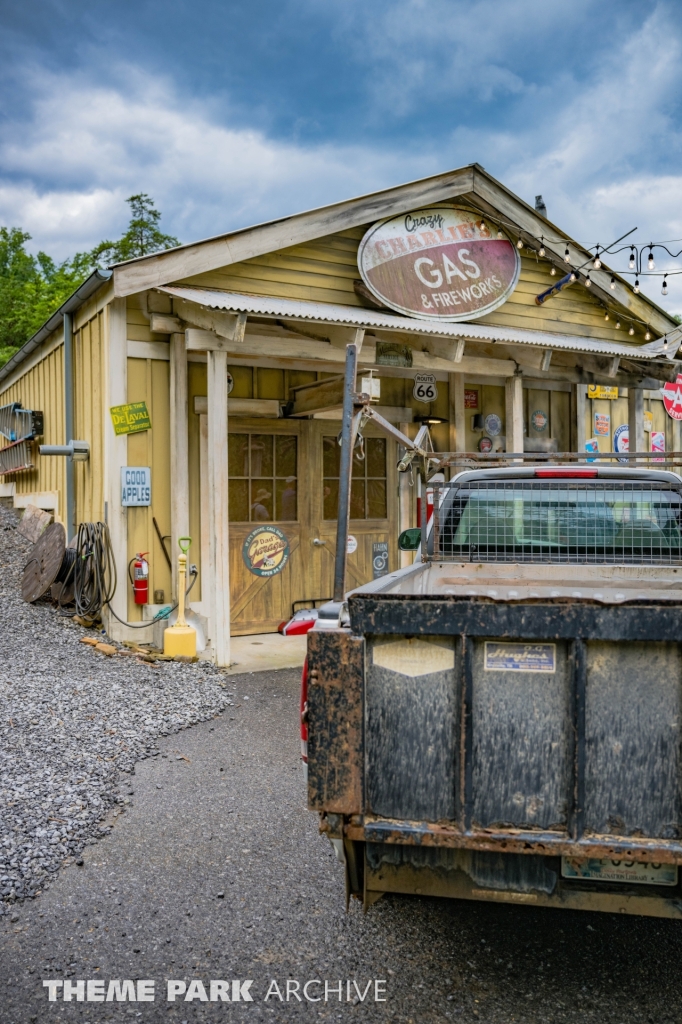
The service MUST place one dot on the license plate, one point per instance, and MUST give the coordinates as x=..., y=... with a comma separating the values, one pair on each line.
x=629, y=871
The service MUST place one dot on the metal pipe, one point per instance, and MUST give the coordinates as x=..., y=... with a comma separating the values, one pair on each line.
x=345, y=473
x=564, y=282
x=68, y=426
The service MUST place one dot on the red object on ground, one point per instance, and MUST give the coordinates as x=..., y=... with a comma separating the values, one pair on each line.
x=302, y=622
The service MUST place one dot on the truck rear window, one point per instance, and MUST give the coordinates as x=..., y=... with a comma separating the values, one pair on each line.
x=565, y=521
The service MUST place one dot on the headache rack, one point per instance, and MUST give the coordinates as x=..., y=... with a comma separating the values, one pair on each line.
x=597, y=521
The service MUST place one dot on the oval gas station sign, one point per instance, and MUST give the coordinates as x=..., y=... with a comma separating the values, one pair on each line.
x=439, y=263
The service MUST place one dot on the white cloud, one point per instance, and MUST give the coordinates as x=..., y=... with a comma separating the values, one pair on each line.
x=92, y=147
x=603, y=154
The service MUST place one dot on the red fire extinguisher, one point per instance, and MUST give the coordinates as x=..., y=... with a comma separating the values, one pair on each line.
x=141, y=578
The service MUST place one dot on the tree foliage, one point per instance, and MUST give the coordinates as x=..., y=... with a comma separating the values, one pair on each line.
x=33, y=287
x=142, y=237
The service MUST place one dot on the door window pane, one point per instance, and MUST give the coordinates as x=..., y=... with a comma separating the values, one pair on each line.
x=285, y=491
x=261, y=455
x=285, y=450
x=239, y=501
x=376, y=456
x=376, y=499
x=331, y=456
x=357, y=499
x=330, y=498
x=238, y=454
x=261, y=501
x=267, y=466
x=368, y=484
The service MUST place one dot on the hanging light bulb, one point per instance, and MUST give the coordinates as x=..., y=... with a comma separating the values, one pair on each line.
x=647, y=336
x=631, y=331
x=606, y=315
x=665, y=343
x=636, y=288
x=541, y=250
x=613, y=283
x=617, y=325
x=519, y=244
x=597, y=261
x=664, y=286
x=553, y=270
x=588, y=281
x=567, y=256
x=651, y=264
x=574, y=276
x=499, y=233
x=631, y=262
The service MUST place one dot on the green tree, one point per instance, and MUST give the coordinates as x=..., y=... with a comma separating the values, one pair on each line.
x=33, y=287
x=142, y=237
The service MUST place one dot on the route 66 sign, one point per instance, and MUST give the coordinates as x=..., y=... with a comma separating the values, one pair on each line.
x=425, y=389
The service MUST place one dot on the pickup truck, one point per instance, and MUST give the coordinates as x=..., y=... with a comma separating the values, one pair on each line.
x=502, y=719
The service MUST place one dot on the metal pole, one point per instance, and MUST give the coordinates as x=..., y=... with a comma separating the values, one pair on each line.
x=345, y=473
x=68, y=426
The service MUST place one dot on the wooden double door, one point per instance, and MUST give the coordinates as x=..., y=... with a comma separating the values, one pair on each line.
x=284, y=481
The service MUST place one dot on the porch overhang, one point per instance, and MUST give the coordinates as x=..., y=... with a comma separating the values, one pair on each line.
x=354, y=316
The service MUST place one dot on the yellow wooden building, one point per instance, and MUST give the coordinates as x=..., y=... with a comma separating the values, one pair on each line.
x=226, y=342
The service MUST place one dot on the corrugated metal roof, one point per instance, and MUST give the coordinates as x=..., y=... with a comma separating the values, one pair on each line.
x=355, y=316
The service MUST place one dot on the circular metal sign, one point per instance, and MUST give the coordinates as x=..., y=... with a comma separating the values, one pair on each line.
x=672, y=398
x=265, y=551
x=439, y=263
x=621, y=440
x=539, y=420
x=493, y=424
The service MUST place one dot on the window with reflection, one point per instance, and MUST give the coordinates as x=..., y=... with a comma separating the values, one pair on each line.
x=368, y=484
x=263, y=476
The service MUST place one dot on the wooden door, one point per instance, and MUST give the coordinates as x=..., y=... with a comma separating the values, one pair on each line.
x=267, y=466
x=373, y=531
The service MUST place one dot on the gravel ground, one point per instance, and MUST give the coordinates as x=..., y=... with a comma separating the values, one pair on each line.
x=71, y=722
x=216, y=871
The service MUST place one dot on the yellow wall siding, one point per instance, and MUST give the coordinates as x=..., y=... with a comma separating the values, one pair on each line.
x=42, y=387
x=148, y=381
x=324, y=271
x=89, y=391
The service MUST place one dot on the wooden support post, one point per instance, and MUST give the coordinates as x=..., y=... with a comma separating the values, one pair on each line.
x=580, y=402
x=457, y=412
x=406, y=502
x=514, y=413
x=218, y=577
x=179, y=452
x=636, y=420
x=116, y=456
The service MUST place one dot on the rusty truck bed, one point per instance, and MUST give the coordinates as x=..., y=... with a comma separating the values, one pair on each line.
x=470, y=711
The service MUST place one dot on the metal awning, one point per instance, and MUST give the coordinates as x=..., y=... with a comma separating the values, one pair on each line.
x=356, y=316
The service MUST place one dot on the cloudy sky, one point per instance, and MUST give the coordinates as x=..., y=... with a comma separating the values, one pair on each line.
x=229, y=113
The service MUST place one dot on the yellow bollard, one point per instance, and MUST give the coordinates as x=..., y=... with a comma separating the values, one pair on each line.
x=181, y=639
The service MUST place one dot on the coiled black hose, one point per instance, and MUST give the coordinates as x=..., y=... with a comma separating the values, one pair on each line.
x=94, y=575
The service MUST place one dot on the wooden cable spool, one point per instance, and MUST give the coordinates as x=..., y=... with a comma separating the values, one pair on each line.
x=48, y=563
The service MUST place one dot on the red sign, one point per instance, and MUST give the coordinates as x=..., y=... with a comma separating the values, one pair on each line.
x=470, y=399
x=672, y=398
x=439, y=263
